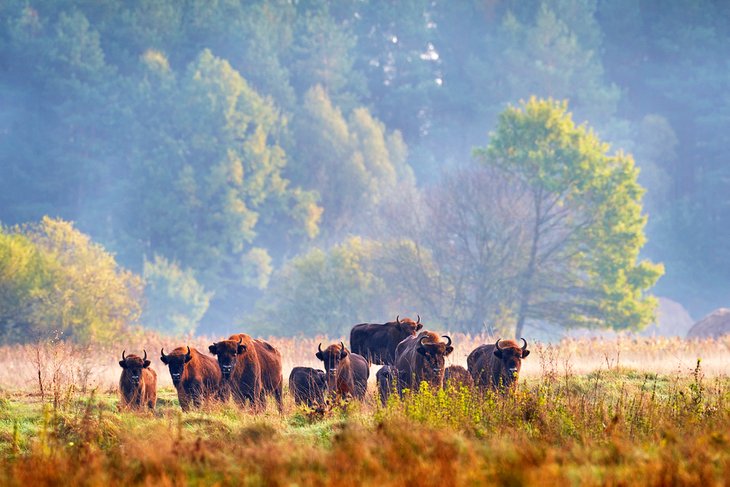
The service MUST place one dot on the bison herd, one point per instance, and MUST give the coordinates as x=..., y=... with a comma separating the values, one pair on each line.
x=249, y=369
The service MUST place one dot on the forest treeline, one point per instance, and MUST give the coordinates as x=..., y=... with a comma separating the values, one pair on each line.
x=303, y=166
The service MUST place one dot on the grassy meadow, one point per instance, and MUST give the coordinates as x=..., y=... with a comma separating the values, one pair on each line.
x=587, y=412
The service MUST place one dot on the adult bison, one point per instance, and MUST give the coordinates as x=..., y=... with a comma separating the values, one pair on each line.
x=250, y=369
x=457, y=376
x=347, y=372
x=138, y=383
x=497, y=366
x=386, y=379
x=377, y=342
x=308, y=385
x=422, y=358
x=196, y=377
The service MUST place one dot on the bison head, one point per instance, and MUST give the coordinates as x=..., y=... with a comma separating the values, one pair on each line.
x=332, y=356
x=176, y=361
x=134, y=364
x=228, y=352
x=435, y=353
x=511, y=356
x=408, y=326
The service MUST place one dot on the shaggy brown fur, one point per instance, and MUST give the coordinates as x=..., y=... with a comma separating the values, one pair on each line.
x=138, y=383
x=196, y=377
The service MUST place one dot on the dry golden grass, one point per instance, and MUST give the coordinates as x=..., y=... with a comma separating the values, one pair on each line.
x=613, y=426
x=96, y=366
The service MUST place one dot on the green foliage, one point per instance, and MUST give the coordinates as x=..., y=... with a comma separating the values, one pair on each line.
x=323, y=292
x=55, y=280
x=175, y=301
x=351, y=162
x=584, y=226
x=25, y=277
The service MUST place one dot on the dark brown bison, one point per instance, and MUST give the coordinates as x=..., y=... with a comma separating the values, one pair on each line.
x=240, y=370
x=250, y=369
x=497, y=366
x=308, y=385
x=196, y=377
x=458, y=377
x=422, y=358
x=377, y=342
x=138, y=383
x=386, y=378
x=347, y=373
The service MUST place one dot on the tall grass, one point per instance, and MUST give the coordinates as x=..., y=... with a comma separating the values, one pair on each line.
x=614, y=425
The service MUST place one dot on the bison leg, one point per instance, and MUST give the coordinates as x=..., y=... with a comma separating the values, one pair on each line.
x=279, y=401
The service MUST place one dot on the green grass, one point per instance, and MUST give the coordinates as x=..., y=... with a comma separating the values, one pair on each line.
x=604, y=428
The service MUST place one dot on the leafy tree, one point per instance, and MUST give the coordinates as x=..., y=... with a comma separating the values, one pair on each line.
x=25, y=279
x=323, y=292
x=350, y=162
x=175, y=301
x=209, y=168
x=585, y=227
x=55, y=279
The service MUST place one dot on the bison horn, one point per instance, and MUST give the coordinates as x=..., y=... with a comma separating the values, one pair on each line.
x=496, y=344
x=320, y=347
x=240, y=340
x=418, y=321
x=448, y=338
x=123, y=358
x=145, y=355
x=420, y=341
x=188, y=354
x=343, y=346
x=162, y=352
x=524, y=347
x=397, y=319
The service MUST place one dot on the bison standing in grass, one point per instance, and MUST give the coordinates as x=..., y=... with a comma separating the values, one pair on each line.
x=307, y=385
x=196, y=377
x=377, y=342
x=458, y=377
x=386, y=378
x=249, y=368
x=347, y=373
x=422, y=358
x=138, y=383
x=497, y=366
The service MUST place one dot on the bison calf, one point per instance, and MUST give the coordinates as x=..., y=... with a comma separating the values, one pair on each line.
x=308, y=385
x=497, y=366
x=347, y=373
x=138, y=383
x=196, y=377
x=386, y=378
x=457, y=377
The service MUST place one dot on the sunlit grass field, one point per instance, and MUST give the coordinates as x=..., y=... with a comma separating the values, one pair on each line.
x=588, y=412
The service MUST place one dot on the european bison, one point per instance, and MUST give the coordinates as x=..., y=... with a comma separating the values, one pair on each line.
x=422, y=358
x=250, y=368
x=458, y=377
x=497, y=366
x=347, y=373
x=196, y=377
x=377, y=342
x=308, y=385
x=138, y=383
x=386, y=378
